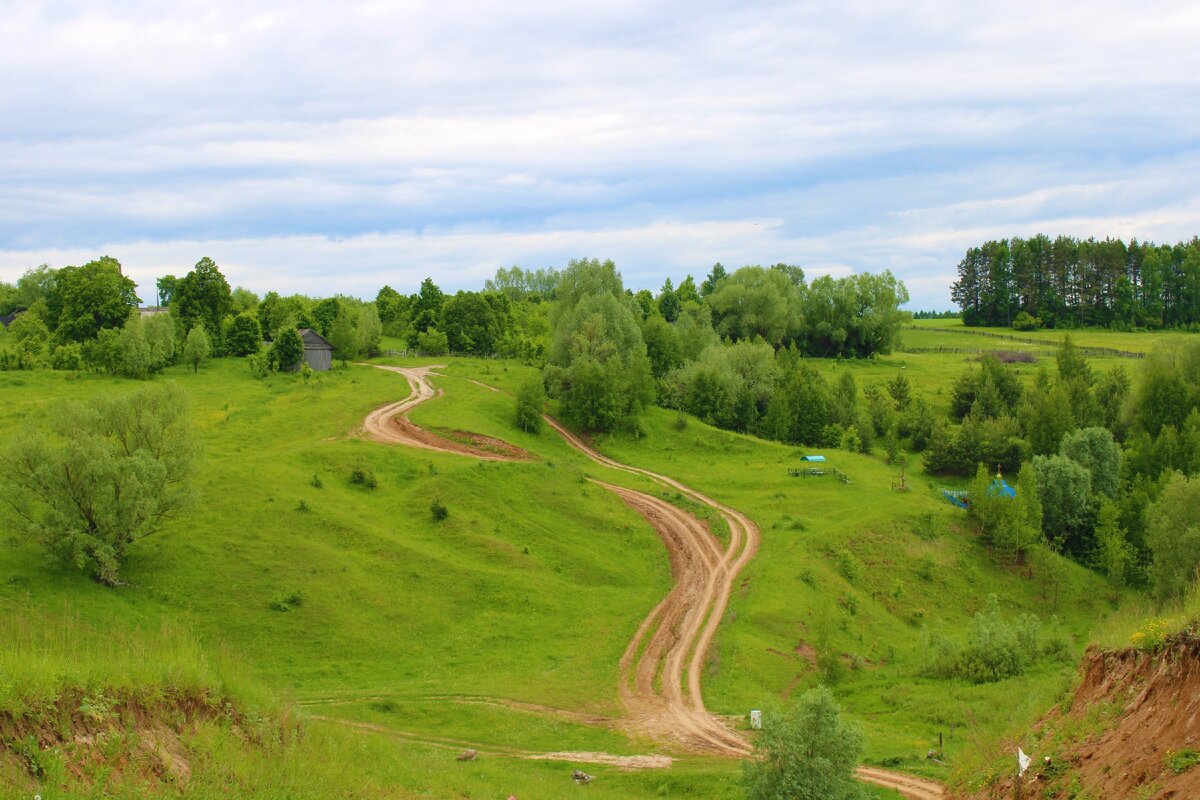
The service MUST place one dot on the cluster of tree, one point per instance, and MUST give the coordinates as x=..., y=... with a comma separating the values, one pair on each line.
x=1065, y=282
x=1103, y=473
x=730, y=351
x=508, y=318
x=87, y=317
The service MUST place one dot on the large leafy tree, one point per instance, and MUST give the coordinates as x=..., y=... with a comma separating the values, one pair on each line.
x=598, y=365
x=1173, y=535
x=1064, y=487
x=806, y=753
x=244, y=335
x=85, y=300
x=114, y=472
x=287, y=350
x=166, y=289
x=343, y=336
x=34, y=285
x=325, y=312
x=1095, y=450
x=470, y=324
x=426, y=308
x=203, y=295
x=757, y=302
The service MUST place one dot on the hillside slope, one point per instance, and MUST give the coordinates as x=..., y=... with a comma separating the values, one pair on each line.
x=1131, y=729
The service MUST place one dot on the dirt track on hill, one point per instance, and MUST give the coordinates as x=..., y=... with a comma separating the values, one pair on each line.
x=390, y=425
x=671, y=645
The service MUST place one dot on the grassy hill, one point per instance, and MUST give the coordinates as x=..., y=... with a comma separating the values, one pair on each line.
x=847, y=576
x=398, y=637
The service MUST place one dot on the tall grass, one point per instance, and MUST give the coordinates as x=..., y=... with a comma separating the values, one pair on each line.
x=1117, y=631
x=46, y=657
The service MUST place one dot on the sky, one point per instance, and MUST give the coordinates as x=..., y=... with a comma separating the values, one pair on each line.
x=327, y=148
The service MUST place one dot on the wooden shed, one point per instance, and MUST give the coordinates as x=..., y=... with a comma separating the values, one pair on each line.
x=318, y=353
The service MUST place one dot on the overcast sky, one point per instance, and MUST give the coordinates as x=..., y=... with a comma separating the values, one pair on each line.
x=333, y=147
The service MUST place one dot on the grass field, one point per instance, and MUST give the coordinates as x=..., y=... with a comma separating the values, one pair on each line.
x=528, y=592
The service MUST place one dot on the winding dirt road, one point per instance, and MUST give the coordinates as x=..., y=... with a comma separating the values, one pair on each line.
x=669, y=649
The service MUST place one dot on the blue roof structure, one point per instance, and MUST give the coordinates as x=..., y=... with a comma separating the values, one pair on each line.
x=1000, y=488
x=812, y=458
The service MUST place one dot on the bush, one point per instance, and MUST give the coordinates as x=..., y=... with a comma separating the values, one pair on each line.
x=1025, y=321
x=433, y=342
x=438, y=510
x=67, y=357
x=995, y=648
x=286, y=601
x=851, y=441
x=848, y=565
x=363, y=476
x=259, y=365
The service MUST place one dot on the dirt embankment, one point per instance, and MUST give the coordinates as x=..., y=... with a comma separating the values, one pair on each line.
x=106, y=740
x=1126, y=732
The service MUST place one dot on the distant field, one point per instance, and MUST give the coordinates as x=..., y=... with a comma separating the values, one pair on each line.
x=952, y=333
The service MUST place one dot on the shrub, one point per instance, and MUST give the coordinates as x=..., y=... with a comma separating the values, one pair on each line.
x=286, y=601
x=848, y=565
x=120, y=467
x=433, y=342
x=1024, y=321
x=851, y=441
x=438, y=510
x=995, y=648
x=364, y=476
x=259, y=364
x=67, y=357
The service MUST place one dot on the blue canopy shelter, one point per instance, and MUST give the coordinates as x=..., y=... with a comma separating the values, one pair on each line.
x=997, y=488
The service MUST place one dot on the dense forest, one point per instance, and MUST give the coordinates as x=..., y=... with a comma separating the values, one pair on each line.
x=1066, y=282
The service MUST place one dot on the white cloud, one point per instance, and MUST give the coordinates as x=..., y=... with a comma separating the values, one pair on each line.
x=322, y=144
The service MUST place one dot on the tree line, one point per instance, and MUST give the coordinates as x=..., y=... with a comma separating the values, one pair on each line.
x=88, y=317
x=1067, y=282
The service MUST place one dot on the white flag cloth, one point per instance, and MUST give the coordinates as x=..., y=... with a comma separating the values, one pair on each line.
x=1022, y=762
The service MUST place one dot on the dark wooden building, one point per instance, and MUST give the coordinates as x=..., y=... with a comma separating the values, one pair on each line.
x=318, y=353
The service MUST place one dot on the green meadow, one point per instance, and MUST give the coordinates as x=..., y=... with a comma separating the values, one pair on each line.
x=398, y=640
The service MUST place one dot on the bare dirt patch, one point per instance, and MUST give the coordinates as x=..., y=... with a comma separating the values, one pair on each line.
x=1131, y=716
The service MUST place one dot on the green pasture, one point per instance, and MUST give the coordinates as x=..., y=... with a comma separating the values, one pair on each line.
x=952, y=333
x=528, y=592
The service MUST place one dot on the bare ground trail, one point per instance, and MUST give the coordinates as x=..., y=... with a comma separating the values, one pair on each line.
x=663, y=663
